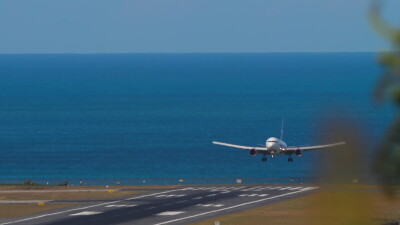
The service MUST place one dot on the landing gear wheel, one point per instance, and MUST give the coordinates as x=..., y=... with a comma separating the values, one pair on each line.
x=264, y=159
x=290, y=159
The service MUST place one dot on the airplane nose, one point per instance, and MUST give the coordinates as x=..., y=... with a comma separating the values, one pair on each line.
x=270, y=145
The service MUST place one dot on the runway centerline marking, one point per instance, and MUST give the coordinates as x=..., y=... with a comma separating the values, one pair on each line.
x=86, y=207
x=231, y=207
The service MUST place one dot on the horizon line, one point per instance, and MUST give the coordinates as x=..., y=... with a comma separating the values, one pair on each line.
x=116, y=53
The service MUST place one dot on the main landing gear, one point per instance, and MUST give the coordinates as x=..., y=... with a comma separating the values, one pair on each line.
x=264, y=159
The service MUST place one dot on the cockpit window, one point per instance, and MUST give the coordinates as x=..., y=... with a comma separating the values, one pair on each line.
x=272, y=141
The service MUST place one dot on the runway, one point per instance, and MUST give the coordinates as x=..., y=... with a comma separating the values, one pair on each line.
x=182, y=205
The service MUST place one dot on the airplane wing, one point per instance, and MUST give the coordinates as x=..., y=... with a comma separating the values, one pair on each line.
x=240, y=146
x=310, y=148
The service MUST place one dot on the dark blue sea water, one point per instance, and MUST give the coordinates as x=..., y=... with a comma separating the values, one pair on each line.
x=155, y=115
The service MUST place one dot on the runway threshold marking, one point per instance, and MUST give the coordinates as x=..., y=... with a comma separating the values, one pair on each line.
x=231, y=207
x=86, y=207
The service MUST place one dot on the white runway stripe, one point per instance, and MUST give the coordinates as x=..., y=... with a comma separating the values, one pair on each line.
x=117, y=206
x=253, y=195
x=251, y=188
x=210, y=205
x=278, y=187
x=237, y=188
x=170, y=213
x=260, y=189
x=169, y=196
x=307, y=188
x=284, y=188
x=85, y=213
x=294, y=188
x=188, y=189
x=232, y=188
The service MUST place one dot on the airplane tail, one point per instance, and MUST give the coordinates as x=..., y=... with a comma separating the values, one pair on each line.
x=282, y=130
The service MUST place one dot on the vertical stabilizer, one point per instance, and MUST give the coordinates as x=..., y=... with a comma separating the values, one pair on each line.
x=282, y=130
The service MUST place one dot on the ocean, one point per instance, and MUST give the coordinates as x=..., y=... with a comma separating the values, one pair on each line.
x=152, y=117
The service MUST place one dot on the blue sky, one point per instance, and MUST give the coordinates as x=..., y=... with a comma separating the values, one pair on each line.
x=129, y=26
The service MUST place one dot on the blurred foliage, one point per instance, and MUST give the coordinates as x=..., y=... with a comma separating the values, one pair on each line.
x=387, y=160
x=344, y=165
x=348, y=163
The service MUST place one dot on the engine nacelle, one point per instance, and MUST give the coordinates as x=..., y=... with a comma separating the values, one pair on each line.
x=253, y=152
x=298, y=152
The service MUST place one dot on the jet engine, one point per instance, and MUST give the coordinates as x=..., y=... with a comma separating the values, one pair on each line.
x=298, y=152
x=253, y=152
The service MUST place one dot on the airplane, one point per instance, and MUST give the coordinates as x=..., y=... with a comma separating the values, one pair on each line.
x=275, y=147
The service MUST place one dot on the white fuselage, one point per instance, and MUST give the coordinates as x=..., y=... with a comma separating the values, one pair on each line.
x=275, y=146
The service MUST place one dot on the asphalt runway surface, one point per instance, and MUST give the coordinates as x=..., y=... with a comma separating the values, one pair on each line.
x=182, y=205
